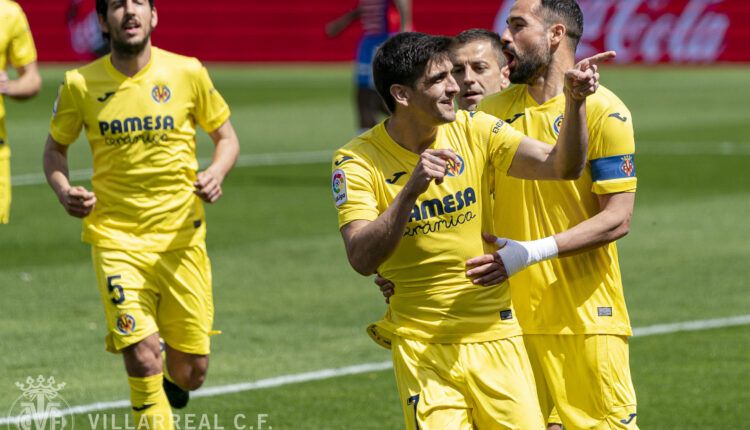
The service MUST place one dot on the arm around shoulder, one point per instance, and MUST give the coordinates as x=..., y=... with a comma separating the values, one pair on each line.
x=610, y=224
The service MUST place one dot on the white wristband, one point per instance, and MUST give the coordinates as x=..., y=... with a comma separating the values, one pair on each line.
x=518, y=255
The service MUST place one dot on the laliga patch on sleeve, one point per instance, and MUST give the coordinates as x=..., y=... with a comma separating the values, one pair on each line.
x=615, y=167
x=338, y=185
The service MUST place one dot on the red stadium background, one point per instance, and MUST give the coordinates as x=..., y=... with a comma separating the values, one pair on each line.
x=679, y=31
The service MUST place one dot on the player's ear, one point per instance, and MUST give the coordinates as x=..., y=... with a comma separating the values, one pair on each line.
x=154, y=18
x=556, y=34
x=400, y=94
x=504, y=77
x=103, y=23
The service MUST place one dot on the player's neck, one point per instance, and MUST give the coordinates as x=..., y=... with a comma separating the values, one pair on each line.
x=552, y=81
x=410, y=133
x=130, y=64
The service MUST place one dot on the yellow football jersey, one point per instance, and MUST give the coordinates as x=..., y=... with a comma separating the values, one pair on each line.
x=580, y=294
x=141, y=130
x=16, y=48
x=434, y=299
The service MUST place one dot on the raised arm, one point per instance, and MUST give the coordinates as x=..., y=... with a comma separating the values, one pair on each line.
x=404, y=11
x=335, y=27
x=226, y=151
x=567, y=158
x=369, y=243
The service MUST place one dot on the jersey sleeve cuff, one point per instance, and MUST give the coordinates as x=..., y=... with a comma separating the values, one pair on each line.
x=61, y=137
x=623, y=185
x=508, y=160
x=23, y=62
x=357, y=214
x=214, y=124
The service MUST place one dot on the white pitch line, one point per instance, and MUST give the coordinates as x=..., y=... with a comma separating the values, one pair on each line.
x=246, y=160
x=318, y=375
x=314, y=157
x=691, y=326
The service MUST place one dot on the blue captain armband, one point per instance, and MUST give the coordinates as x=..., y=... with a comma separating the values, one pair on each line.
x=615, y=167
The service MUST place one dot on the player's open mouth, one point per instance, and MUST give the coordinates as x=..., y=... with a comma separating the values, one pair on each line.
x=509, y=57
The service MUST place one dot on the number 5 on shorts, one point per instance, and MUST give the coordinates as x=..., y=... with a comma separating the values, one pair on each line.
x=116, y=292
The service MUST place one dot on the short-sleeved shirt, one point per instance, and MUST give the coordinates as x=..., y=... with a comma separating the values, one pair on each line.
x=579, y=294
x=434, y=300
x=141, y=130
x=374, y=16
x=16, y=47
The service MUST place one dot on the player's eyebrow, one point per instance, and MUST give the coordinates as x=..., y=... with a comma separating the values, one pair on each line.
x=437, y=76
x=515, y=19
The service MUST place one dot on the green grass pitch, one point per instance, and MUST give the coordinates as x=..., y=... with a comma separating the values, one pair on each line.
x=288, y=302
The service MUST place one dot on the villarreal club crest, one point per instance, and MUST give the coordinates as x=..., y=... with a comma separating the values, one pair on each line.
x=126, y=324
x=627, y=166
x=161, y=94
x=557, y=125
x=455, y=168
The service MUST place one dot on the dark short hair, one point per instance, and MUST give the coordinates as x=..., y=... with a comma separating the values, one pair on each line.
x=481, y=34
x=566, y=12
x=403, y=59
x=102, y=6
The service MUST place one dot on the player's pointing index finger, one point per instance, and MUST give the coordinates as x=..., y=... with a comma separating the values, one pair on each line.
x=596, y=59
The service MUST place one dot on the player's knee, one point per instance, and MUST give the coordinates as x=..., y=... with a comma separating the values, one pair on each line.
x=196, y=380
x=190, y=376
x=142, y=359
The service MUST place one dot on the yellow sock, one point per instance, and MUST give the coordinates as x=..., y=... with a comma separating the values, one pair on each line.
x=151, y=410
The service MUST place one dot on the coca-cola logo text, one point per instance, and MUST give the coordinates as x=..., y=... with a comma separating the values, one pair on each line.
x=682, y=31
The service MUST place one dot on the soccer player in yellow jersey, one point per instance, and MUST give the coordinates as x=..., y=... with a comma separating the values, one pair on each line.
x=16, y=48
x=572, y=309
x=478, y=66
x=480, y=70
x=407, y=194
x=144, y=218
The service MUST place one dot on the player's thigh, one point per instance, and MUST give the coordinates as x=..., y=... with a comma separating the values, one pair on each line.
x=186, y=310
x=129, y=295
x=431, y=396
x=5, y=189
x=592, y=387
x=536, y=350
x=501, y=385
x=616, y=381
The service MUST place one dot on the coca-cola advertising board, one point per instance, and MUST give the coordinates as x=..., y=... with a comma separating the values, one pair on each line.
x=656, y=31
x=641, y=31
